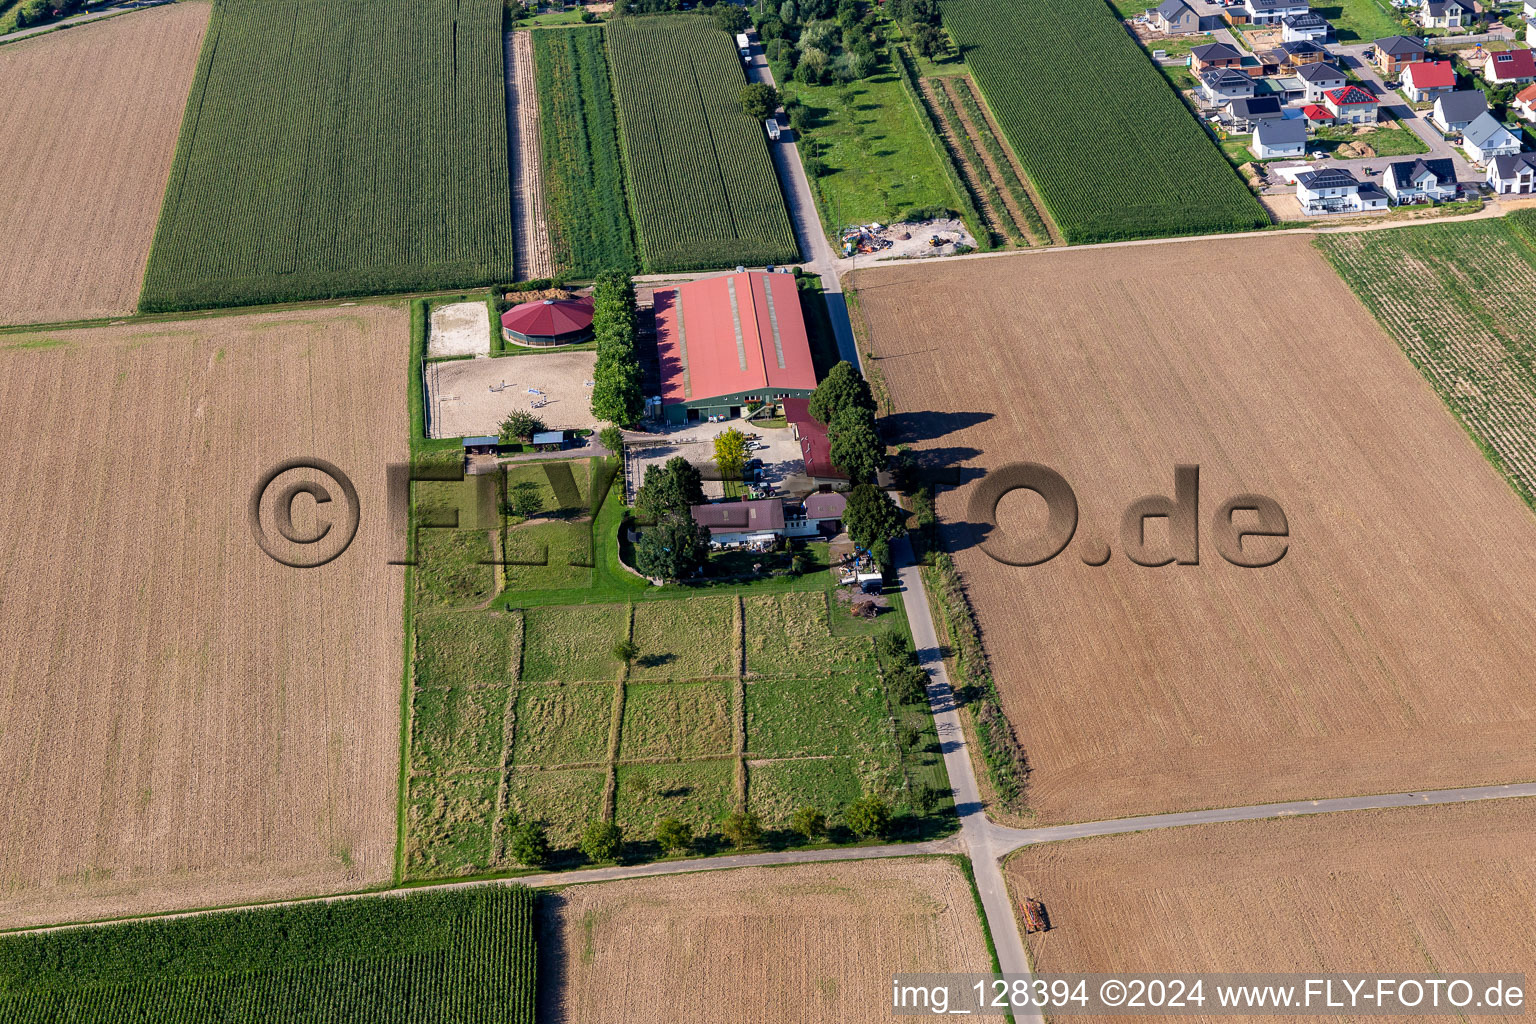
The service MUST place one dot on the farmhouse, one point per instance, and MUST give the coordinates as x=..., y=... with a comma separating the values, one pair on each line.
x=1485, y=139
x=754, y=523
x=1317, y=79
x=1335, y=190
x=815, y=449
x=1351, y=105
x=1514, y=173
x=1419, y=181
x=1391, y=54
x=1454, y=111
x=1429, y=80
x=1285, y=137
x=1299, y=27
x=548, y=323
x=1510, y=67
x=1221, y=85
x=729, y=342
x=1443, y=14
x=820, y=514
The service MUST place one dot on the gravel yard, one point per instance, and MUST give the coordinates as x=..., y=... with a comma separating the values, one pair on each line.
x=466, y=397
x=460, y=329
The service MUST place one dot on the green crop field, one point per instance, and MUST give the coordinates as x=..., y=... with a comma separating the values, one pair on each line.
x=448, y=823
x=849, y=711
x=338, y=149
x=457, y=727
x=1108, y=144
x=701, y=181
x=565, y=801
x=460, y=648
x=573, y=644
x=1460, y=299
x=697, y=792
x=465, y=956
x=589, y=224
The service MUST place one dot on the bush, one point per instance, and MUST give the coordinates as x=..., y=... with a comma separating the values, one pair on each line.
x=809, y=822
x=868, y=816
x=530, y=844
x=759, y=99
x=674, y=836
x=602, y=840
x=742, y=829
x=612, y=438
x=816, y=167
x=520, y=426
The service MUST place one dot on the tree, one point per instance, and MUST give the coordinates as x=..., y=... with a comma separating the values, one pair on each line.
x=742, y=829
x=520, y=426
x=854, y=443
x=674, y=836
x=927, y=41
x=789, y=14
x=843, y=387
x=524, y=499
x=880, y=551
x=731, y=18
x=673, y=548
x=616, y=393
x=626, y=651
x=809, y=822
x=872, y=516
x=669, y=489
x=602, y=840
x=731, y=453
x=868, y=816
x=759, y=99
x=529, y=844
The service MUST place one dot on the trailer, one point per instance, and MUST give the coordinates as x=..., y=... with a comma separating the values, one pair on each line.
x=743, y=46
x=1035, y=917
x=772, y=124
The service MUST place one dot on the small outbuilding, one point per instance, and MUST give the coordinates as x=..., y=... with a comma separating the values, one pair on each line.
x=548, y=322
x=485, y=445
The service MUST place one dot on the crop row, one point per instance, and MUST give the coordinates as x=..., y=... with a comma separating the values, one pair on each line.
x=338, y=149
x=465, y=956
x=701, y=180
x=583, y=176
x=1112, y=150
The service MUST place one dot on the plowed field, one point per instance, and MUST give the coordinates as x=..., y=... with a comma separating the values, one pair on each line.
x=183, y=721
x=88, y=135
x=1387, y=650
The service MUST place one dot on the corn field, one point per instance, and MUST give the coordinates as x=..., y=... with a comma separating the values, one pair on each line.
x=702, y=183
x=465, y=956
x=1110, y=147
x=333, y=149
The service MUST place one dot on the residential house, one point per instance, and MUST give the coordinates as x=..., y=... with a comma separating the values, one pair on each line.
x=1176, y=18
x=1351, y=105
x=1316, y=116
x=1454, y=111
x=1524, y=103
x=1318, y=79
x=1220, y=86
x=1510, y=67
x=1272, y=12
x=756, y=524
x=1285, y=88
x=1283, y=137
x=1428, y=80
x=1485, y=139
x=1214, y=55
x=1513, y=173
x=1443, y=14
x=1296, y=54
x=1250, y=111
x=1299, y=27
x=1419, y=181
x=1391, y=54
x=820, y=514
x=1335, y=190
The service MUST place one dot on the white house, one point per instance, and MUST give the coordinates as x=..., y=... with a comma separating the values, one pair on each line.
x=1416, y=181
x=1220, y=86
x=1318, y=79
x=1304, y=27
x=1454, y=111
x=1514, y=173
x=1272, y=12
x=1351, y=105
x=1509, y=67
x=1524, y=103
x=1444, y=14
x=1428, y=80
x=1283, y=137
x=820, y=514
x=1485, y=139
x=753, y=523
x=1336, y=191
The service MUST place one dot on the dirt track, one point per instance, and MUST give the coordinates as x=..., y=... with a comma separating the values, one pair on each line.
x=186, y=722
x=534, y=256
x=1384, y=653
x=88, y=136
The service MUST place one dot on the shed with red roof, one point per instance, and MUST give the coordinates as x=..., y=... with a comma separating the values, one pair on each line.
x=815, y=449
x=731, y=341
x=548, y=322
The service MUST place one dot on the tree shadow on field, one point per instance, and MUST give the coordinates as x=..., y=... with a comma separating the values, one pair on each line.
x=910, y=427
x=553, y=957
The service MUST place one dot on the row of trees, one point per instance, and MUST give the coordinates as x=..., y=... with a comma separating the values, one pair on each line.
x=616, y=393
x=845, y=403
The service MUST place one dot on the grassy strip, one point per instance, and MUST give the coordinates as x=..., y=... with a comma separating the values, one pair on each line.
x=1011, y=181
x=969, y=211
x=1007, y=765
x=968, y=152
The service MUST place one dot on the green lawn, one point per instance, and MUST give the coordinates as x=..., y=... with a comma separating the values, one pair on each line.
x=849, y=711
x=563, y=724
x=882, y=162
x=692, y=639
x=457, y=727
x=548, y=555
x=454, y=568
x=456, y=648
x=1356, y=21
x=697, y=792
x=558, y=487
x=573, y=644
x=676, y=720
x=1386, y=141
x=450, y=824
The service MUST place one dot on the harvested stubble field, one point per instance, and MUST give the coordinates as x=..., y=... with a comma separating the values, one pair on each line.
x=187, y=722
x=810, y=942
x=88, y=137
x=1417, y=890
x=1385, y=652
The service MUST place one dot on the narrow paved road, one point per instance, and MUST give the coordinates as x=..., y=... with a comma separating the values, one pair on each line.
x=79, y=19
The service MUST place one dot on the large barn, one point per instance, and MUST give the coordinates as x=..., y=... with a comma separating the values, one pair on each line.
x=729, y=342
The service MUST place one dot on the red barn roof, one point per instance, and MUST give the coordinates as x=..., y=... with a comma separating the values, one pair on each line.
x=549, y=318
x=1350, y=95
x=1431, y=74
x=1507, y=65
x=815, y=449
x=731, y=335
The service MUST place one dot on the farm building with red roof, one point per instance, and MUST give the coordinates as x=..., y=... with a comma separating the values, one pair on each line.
x=550, y=322
x=731, y=341
x=815, y=448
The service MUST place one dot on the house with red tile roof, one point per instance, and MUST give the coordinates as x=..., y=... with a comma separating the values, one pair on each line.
x=1524, y=103
x=729, y=342
x=1506, y=67
x=1351, y=105
x=1427, y=81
